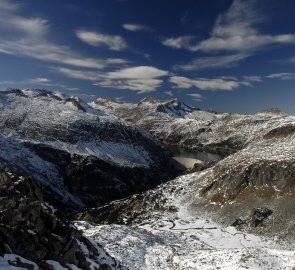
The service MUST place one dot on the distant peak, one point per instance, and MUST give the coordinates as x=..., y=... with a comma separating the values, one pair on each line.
x=273, y=110
x=34, y=93
x=148, y=99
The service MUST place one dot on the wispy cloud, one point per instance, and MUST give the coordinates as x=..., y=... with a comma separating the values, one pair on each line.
x=226, y=83
x=141, y=79
x=183, y=42
x=204, y=84
x=136, y=27
x=169, y=93
x=113, y=42
x=143, y=72
x=79, y=74
x=212, y=62
x=40, y=81
x=252, y=78
x=138, y=85
x=8, y=6
x=196, y=96
x=234, y=30
x=30, y=37
x=282, y=76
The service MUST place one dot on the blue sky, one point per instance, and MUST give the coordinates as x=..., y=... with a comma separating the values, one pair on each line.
x=225, y=55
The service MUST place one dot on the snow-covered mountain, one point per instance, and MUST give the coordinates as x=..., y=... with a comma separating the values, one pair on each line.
x=57, y=156
x=177, y=124
x=81, y=154
x=63, y=159
x=168, y=228
x=237, y=214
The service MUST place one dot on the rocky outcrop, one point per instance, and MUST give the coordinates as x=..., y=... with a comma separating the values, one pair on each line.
x=33, y=234
x=257, y=217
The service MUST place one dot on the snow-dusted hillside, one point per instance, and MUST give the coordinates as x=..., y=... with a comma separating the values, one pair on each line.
x=162, y=229
x=238, y=214
x=176, y=123
x=61, y=157
x=82, y=155
x=57, y=156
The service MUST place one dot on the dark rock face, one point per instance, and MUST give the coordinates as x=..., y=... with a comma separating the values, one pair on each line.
x=258, y=215
x=280, y=132
x=264, y=179
x=256, y=218
x=96, y=181
x=135, y=209
x=30, y=228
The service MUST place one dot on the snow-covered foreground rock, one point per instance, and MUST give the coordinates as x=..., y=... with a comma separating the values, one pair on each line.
x=181, y=237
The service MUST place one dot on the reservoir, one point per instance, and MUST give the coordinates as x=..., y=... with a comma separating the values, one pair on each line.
x=189, y=158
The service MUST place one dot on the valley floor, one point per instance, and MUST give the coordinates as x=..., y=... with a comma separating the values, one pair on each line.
x=184, y=240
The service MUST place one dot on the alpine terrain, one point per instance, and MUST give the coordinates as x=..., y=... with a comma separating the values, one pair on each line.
x=103, y=185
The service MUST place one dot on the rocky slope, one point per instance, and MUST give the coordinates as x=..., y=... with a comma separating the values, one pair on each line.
x=205, y=220
x=58, y=155
x=82, y=155
x=177, y=124
x=167, y=229
x=32, y=236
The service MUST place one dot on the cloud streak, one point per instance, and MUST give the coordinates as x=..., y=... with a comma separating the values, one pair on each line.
x=29, y=37
x=282, y=76
x=113, y=42
x=234, y=30
x=141, y=79
x=196, y=96
x=135, y=27
x=204, y=84
x=211, y=84
x=213, y=62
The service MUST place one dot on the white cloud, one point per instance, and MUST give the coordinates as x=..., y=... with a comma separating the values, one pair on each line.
x=212, y=62
x=30, y=37
x=282, y=76
x=135, y=27
x=142, y=79
x=138, y=85
x=252, y=78
x=6, y=5
x=140, y=72
x=79, y=74
x=196, y=96
x=29, y=83
x=183, y=42
x=39, y=81
x=113, y=42
x=169, y=93
x=204, y=84
x=234, y=30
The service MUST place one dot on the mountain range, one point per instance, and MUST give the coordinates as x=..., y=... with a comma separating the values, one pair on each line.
x=95, y=186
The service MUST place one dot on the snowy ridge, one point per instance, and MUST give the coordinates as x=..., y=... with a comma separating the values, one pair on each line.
x=69, y=123
x=176, y=123
x=44, y=134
